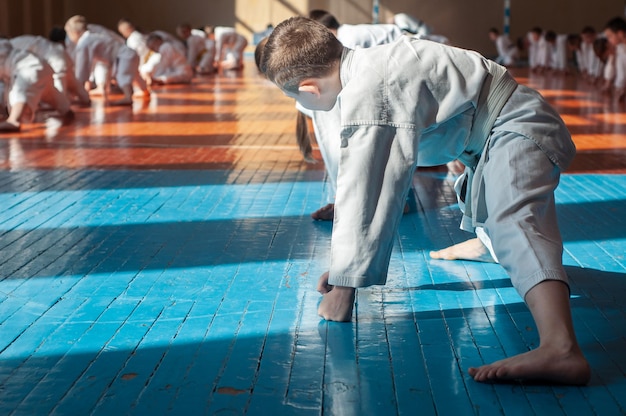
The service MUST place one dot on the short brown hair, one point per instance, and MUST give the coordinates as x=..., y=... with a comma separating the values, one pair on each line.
x=76, y=24
x=299, y=48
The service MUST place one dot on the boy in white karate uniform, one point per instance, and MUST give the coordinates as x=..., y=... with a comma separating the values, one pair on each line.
x=229, y=46
x=61, y=63
x=118, y=59
x=137, y=40
x=166, y=65
x=507, y=51
x=200, y=49
x=25, y=81
x=615, y=32
x=134, y=39
x=558, y=52
x=536, y=47
x=417, y=103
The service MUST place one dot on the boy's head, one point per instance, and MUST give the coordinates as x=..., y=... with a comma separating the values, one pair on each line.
x=75, y=27
x=325, y=18
x=602, y=48
x=573, y=41
x=299, y=49
x=183, y=30
x=493, y=33
x=57, y=34
x=588, y=34
x=615, y=30
x=536, y=33
x=125, y=27
x=550, y=36
x=154, y=41
x=210, y=31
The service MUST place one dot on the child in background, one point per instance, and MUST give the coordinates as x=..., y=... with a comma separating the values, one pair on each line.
x=229, y=46
x=59, y=60
x=28, y=80
x=615, y=33
x=606, y=54
x=557, y=50
x=200, y=48
x=94, y=48
x=166, y=65
x=507, y=51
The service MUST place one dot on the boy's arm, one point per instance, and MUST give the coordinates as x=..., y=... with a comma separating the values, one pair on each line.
x=375, y=171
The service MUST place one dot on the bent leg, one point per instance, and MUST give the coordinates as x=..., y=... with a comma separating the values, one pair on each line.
x=558, y=359
x=522, y=224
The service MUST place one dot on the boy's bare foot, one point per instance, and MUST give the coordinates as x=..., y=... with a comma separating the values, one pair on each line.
x=456, y=167
x=98, y=91
x=547, y=364
x=472, y=249
x=325, y=213
x=337, y=302
x=9, y=126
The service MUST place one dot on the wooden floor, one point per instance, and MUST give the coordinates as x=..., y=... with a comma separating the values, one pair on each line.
x=161, y=260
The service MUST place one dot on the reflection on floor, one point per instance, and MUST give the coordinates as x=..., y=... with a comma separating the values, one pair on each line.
x=161, y=259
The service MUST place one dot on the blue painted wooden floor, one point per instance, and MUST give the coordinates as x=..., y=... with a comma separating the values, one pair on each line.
x=193, y=292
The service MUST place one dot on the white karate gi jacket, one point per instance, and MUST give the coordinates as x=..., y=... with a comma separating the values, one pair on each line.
x=229, y=46
x=169, y=65
x=26, y=78
x=115, y=58
x=507, y=52
x=326, y=124
x=620, y=66
x=137, y=42
x=51, y=52
x=419, y=103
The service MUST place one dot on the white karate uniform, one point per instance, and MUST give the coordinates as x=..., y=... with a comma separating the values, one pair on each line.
x=366, y=36
x=507, y=51
x=536, y=51
x=326, y=124
x=26, y=78
x=196, y=46
x=229, y=47
x=396, y=114
x=412, y=25
x=595, y=66
x=137, y=42
x=117, y=60
x=620, y=66
x=58, y=59
x=608, y=72
x=172, y=40
x=558, y=59
x=168, y=65
x=99, y=70
x=544, y=52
